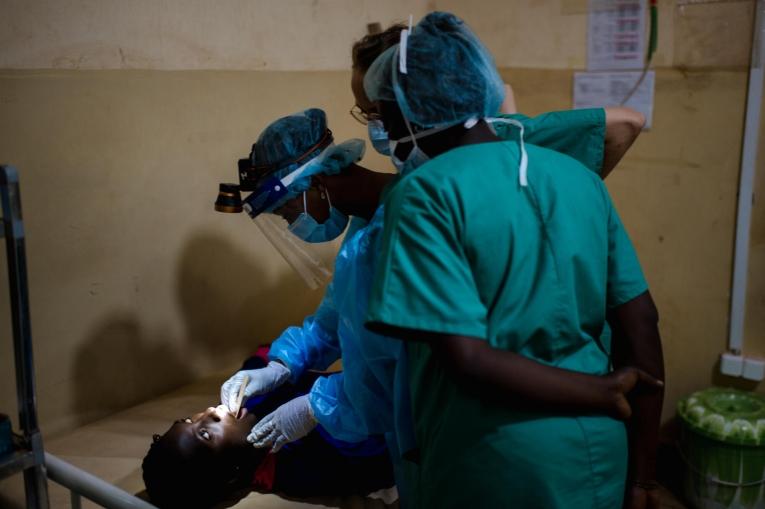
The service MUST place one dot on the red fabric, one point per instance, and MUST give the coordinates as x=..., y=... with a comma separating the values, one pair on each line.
x=263, y=480
x=262, y=352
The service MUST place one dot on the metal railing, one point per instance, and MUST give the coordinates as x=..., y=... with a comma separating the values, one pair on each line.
x=84, y=484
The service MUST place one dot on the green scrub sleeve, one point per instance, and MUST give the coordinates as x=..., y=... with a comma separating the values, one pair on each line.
x=580, y=134
x=423, y=279
x=625, y=277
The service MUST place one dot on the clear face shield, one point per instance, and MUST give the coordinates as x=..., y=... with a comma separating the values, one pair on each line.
x=313, y=261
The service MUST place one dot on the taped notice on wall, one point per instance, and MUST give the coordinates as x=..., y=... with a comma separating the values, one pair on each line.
x=601, y=89
x=616, y=35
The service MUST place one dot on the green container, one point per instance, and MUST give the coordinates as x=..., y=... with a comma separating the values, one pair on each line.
x=722, y=442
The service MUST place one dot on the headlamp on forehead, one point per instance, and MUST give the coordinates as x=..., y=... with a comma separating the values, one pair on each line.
x=272, y=185
x=268, y=189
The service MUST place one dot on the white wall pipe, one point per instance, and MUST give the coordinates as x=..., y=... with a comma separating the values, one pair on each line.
x=746, y=184
x=91, y=487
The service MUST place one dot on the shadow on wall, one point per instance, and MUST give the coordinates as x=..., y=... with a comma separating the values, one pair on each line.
x=228, y=308
x=229, y=302
x=120, y=365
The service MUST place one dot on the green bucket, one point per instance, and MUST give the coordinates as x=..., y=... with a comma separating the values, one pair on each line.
x=722, y=442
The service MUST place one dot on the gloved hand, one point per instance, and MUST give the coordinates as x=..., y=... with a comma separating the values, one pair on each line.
x=291, y=421
x=261, y=381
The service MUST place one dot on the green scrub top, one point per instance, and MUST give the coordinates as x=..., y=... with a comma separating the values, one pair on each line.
x=577, y=133
x=468, y=251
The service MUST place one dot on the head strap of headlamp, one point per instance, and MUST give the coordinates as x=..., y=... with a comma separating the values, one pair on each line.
x=324, y=142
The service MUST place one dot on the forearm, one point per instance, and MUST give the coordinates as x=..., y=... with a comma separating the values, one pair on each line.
x=508, y=106
x=623, y=126
x=514, y=378
x=636, y=342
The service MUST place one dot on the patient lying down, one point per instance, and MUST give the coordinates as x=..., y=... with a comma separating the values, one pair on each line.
x=204, y=459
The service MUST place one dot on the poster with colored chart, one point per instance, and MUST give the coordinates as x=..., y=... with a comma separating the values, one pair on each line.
x=616, y=35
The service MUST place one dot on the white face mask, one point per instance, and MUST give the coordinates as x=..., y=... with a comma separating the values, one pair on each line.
x=308, y=229
x=417, y=157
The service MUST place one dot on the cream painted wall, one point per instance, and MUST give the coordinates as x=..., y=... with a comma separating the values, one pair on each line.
x=189, y=34
x=317, y=34
x=137, y=286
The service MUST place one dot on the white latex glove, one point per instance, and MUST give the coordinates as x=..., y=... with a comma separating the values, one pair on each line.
x=261, y=381
x=291, y=421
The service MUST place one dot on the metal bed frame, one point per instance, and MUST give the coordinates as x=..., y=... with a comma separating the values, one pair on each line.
x=28, y=455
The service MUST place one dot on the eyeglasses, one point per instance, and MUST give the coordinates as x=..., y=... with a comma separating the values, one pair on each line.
x=362, y=116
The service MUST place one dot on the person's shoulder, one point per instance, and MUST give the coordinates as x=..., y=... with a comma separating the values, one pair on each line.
x=556, y=172
x=558, y=162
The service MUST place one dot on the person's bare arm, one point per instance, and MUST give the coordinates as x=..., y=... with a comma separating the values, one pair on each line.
x=636, y=342
x=508, y=106
x=517, y=380
x=623, y=126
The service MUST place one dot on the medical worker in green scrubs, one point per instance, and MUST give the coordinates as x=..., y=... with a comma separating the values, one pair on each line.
x=496, y=248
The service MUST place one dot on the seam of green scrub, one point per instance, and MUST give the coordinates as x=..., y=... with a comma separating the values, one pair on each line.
x=560, y=306
x=591, y=478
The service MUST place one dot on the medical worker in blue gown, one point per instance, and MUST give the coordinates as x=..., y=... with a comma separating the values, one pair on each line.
x=495, y=249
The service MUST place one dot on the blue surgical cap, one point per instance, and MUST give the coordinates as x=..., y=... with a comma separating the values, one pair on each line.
x=302, y=139
x=451, y=77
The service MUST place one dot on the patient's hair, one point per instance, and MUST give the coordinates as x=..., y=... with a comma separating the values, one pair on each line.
x=369, y=47
x=196, y=479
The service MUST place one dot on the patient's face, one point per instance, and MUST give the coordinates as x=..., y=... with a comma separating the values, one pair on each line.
x=214, y=432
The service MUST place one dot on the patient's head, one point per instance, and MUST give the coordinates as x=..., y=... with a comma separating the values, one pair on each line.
x=201, y=460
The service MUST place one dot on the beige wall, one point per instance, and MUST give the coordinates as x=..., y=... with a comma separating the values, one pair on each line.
x=138, y=286
x=280, y=35
x=316, y=35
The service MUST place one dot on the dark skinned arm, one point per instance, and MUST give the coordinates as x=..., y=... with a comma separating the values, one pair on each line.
x=623, y=125
x=514, y=379
x=636, y=342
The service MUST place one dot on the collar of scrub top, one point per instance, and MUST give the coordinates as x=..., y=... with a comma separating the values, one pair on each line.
x=469, y=123
x=273, y=190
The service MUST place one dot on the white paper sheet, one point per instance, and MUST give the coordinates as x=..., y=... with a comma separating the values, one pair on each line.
x=616, y=34
x=600, y=89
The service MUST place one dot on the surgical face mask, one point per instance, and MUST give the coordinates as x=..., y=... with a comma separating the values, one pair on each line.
x=379, y=137
x=308, y=229
x=416, y=157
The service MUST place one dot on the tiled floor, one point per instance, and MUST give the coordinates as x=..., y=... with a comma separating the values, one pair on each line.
x=113, y=448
